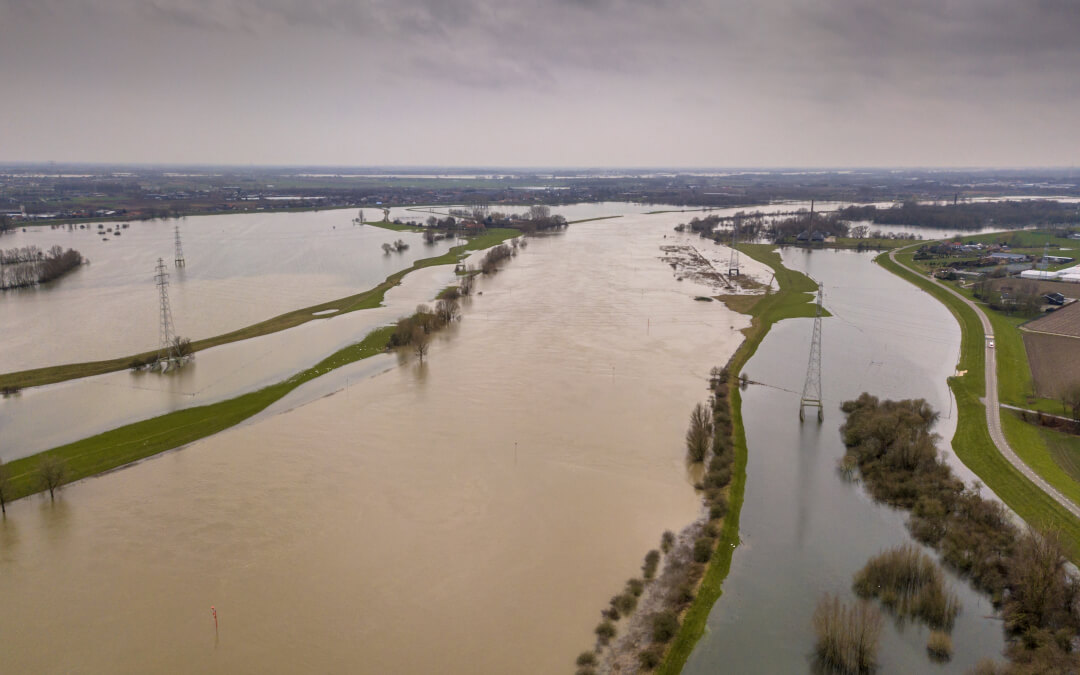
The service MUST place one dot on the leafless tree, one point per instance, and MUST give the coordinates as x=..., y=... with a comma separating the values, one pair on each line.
x=4, y=488
x=1070, y=397
x=52, y=471
x=447, y=309
x=182, y=346
x=699, y=433
x=420, y=343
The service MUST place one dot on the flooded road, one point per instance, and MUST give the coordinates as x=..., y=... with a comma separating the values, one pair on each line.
x=469, y=515
x=805, y=531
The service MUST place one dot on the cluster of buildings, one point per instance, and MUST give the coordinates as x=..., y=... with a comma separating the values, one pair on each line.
x=1068, y=275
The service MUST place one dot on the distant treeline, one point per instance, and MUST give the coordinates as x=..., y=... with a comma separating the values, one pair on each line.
x=969, y=216
x=28, y=266
x=537, y=219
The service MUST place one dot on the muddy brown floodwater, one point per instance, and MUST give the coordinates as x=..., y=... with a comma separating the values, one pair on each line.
x=469, y=515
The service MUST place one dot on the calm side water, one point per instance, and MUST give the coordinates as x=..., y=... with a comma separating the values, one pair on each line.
x=805, y=531
x=472, y=514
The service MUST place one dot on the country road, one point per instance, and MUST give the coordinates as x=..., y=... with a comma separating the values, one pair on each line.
x=993, y=409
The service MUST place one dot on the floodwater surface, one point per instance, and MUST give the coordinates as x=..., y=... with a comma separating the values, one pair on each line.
x=470, y=514
x=806, y=531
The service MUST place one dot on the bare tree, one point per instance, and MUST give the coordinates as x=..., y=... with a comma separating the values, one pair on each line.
x=699, y=433
x=420, y=343
x=182, y=346
x=4, y=488
x=52, y=471
x=447, y=309
x=467, y=283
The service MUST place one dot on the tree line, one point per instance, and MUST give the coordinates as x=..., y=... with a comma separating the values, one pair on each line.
x=968, y=216
x=29, y=266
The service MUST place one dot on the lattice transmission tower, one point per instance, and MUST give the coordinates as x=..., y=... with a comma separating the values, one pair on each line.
x=811, y=393
x=161, y=278
x=733, y=261
x=179, y=260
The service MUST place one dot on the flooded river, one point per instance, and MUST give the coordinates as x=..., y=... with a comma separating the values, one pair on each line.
x=472, y=514
x=805, y=531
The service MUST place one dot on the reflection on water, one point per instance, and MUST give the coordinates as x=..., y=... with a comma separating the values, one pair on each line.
x=805, y=530
x=469, y=515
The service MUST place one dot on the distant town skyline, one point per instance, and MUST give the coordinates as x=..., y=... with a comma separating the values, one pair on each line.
x=570, y=83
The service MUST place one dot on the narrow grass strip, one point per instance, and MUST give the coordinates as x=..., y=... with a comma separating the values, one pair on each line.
x=366, y=300
x=130, y=443
x=790, y=301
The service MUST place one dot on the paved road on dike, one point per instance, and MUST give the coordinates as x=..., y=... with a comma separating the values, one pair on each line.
x=993, y=409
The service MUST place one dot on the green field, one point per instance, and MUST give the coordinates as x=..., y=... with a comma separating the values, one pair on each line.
x=972, y=442
x=793, y=300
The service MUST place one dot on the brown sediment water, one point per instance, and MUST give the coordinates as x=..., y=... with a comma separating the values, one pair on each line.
x=468, y=515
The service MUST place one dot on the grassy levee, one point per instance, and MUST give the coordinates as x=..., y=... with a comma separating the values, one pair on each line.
x=130, y=443
x=792, y=300
x=972, y=442
x=366, y=300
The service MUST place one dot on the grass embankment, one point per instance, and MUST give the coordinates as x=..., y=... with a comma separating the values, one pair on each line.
x=972, y=442
x=792, y=300
x=117, y=447
x=366, y=300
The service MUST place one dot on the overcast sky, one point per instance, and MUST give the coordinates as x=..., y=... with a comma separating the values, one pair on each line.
x=542, y=82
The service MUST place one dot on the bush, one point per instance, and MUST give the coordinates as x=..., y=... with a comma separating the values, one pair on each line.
x=847, y=637
x=667, y=540
x=652, y=561
x=651, y=656
x=909, y=581
x=605, y=630
x=718, y=509
x=665, y=625
x=939, y=646
x=703, y=549
x=586, y=659
x=635, y=587
x=625, y=603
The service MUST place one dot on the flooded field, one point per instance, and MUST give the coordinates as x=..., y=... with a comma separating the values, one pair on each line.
x=472, y=514
x=240, y=269
x=805, y=530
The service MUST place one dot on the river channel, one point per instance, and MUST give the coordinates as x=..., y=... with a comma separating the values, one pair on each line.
x=469, y=515
x=805, y=531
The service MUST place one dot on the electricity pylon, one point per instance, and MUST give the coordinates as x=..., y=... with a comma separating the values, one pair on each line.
x=733, y=261
x=161, y=278
x=179, y=260
x=811, y=393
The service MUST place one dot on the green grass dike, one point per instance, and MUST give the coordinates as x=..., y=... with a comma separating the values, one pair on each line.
x=792, y=300
x=366, y=300
x=972, y=442
x=130, y=443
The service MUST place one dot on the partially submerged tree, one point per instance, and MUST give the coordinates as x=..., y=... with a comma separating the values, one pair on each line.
x=4, y=488
x=52, y=471
x=420, y=343
x=182, y=346
x=699, y=433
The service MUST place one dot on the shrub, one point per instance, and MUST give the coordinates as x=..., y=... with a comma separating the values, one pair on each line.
x=652, y=561
x=625, y=603
x=847, y=637
x=909, y=581
x=605, y=630
x=664, y=625
x=718, y=509
x=703, y=549
x=651, y=656
x=939, y=646
x=586, y=659
x=667, y=540
x=635, y=587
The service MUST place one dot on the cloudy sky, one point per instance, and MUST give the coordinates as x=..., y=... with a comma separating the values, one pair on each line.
x=542, y=82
